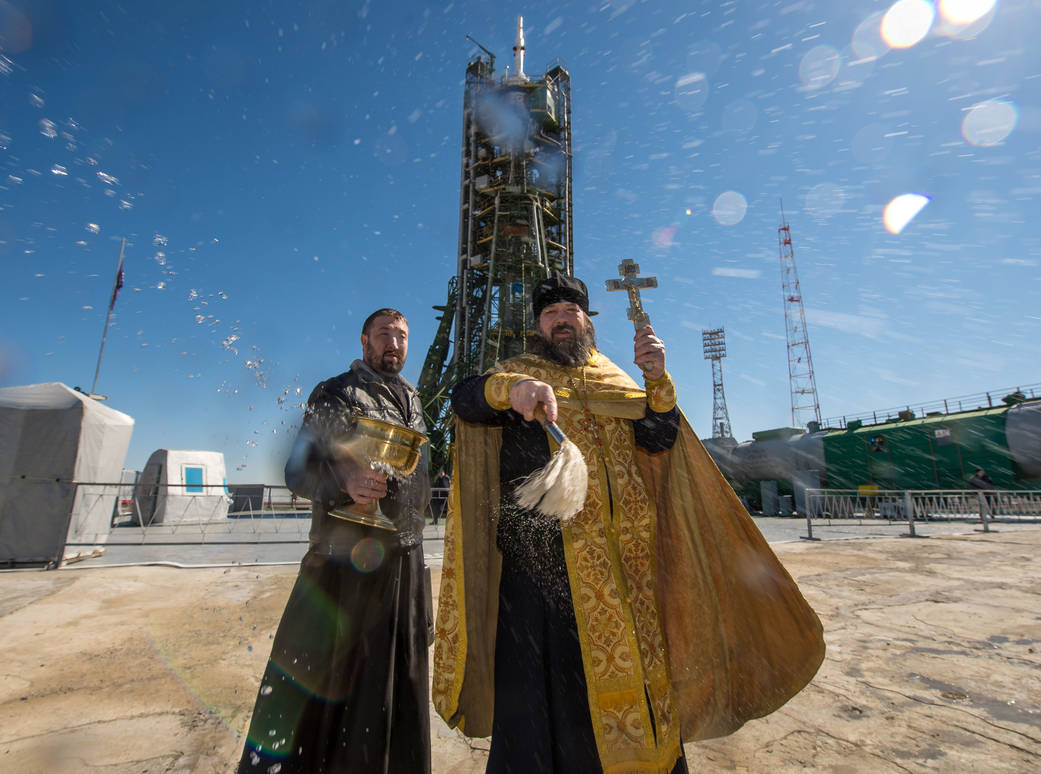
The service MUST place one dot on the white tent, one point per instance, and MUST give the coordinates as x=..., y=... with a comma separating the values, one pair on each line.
x=179, y=486
x=57, y=448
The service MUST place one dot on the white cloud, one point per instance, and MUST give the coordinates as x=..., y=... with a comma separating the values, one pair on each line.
x=722, y=271
x=870, y=327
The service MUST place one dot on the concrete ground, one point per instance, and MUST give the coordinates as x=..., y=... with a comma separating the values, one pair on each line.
x=934, y=664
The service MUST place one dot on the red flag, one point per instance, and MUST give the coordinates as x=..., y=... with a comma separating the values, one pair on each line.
x=119, y=282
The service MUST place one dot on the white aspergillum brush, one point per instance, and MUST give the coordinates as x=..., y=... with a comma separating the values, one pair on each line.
x=558, y=489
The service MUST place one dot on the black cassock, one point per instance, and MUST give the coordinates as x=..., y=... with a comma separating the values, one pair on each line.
x=346, y=686
x=345, y=689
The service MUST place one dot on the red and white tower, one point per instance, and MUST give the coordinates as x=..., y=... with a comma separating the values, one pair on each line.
x=805, y=406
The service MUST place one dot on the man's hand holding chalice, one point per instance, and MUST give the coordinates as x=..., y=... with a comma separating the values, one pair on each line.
x=363, y=484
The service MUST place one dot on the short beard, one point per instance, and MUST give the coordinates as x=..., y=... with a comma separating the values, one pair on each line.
x=572, y=352
x=378, y=363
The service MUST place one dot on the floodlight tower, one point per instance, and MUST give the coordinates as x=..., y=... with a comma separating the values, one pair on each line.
x=713, y=343
x=805, y=406
x=515, y=223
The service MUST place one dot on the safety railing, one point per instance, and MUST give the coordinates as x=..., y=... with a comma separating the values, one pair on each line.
x=845, y=506
x=187, y=513
x=47, y=518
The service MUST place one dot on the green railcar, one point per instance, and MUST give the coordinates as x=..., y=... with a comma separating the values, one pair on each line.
x=940, y=451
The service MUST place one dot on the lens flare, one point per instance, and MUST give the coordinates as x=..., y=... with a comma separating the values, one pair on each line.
x=964, y=11
x=907, y=22
x=989, y=123
x=819, y=67
x=902, y=210
x=867, y=42
x=664, y=237
x=729, y=208
x=368, y=555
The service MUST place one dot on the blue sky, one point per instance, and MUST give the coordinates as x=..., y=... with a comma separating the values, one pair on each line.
x=281, y=169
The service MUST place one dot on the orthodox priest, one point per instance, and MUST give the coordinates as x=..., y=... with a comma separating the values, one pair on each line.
x=655, y=616
x=346, y=686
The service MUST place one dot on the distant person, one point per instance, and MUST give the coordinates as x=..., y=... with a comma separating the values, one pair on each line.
x=981, y=481
x=346, y=686
x=440, y=495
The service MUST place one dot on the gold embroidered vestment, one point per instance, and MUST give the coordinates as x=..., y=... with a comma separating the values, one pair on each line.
x=664, y=626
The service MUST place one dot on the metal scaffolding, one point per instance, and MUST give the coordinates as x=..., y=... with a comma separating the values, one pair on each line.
x=713, y=343
x=515, y=224
x=805, y=406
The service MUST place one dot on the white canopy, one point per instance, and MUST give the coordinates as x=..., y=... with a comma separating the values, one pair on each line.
x=57, y=447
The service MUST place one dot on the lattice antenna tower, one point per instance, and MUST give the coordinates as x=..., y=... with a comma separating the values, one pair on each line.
x=713, y=343
x=805, y=406
x=515, y=223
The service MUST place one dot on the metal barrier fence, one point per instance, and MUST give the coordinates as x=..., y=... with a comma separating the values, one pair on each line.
x=176, y=514
x=49, y=521
x=911, y=506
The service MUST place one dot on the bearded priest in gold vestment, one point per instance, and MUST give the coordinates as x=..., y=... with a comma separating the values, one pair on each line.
x=657, y=615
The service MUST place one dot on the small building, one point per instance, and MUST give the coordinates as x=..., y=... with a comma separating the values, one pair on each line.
x=61, y=454
x=182, y=486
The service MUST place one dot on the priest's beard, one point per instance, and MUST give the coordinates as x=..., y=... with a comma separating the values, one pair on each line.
x=572, y=352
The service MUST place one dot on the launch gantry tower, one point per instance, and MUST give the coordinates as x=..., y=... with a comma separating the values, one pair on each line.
x=515, y=224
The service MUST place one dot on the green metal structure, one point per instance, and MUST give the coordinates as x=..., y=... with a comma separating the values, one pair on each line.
x=934, y=452
x=515, y=226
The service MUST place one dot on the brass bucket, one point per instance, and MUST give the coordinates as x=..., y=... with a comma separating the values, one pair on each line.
x=373, y=443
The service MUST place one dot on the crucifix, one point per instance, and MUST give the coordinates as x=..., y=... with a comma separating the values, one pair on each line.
x=632, y=283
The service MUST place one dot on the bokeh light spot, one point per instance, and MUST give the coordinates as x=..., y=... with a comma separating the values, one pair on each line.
x=964, y=11
x=907, y=22
x=729, y=208
x=819, y=67
x=990, y=122
x=867, y=42
x=664, y=237
x=902, y=210
x=368, y=555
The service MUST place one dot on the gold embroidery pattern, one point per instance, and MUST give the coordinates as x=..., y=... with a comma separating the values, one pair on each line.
x=447, y=645
x=497, y=389
x=661, y=393
x=610, y=551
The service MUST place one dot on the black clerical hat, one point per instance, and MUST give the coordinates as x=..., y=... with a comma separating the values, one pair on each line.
x=559, y=287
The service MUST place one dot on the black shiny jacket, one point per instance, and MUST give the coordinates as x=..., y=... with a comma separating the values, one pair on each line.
x=308, y=474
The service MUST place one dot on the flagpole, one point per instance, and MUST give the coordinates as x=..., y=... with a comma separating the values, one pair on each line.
x=116, y=285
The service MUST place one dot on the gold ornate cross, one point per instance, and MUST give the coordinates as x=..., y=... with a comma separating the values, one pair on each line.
x=632, y=283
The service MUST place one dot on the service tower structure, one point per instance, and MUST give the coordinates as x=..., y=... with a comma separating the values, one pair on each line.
x=713, y=343
x=806, y=410
x=515, y=223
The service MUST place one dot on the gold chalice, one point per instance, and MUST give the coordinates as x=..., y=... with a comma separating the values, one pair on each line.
x=382, y=446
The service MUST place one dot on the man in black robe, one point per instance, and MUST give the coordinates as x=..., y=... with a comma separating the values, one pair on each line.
x=346, y=686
